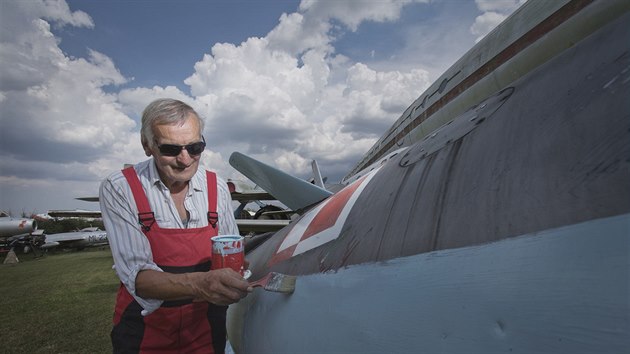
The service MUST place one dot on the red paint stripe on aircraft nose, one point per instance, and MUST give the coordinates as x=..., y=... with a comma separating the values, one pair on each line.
x=327, y=217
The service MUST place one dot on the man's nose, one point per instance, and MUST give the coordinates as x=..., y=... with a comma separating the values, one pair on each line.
x=184, y=155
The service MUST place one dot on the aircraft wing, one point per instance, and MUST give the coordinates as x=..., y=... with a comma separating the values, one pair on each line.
x=51, y=241
x=293, y=192
x=88, y=199
x=78, y=239
x=250, y=196
x=74, y=213
x=260, y=225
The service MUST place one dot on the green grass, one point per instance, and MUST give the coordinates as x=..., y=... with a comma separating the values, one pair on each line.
x=59, y=303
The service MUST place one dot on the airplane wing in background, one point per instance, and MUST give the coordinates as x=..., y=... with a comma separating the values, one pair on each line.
x=88, y=237
x=259, y=226
x=88, y=199
x=74, y=214
x=291, y=191
x=251, y=196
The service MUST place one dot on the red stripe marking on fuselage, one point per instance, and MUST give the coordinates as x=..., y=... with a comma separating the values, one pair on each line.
x=327, y=217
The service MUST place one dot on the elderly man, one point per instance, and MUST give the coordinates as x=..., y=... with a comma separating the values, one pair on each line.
x=160, y=215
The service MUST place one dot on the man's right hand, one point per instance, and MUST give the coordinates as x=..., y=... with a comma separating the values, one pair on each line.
x=221, y=286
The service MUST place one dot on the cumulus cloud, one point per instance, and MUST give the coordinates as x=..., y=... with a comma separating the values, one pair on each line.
x=284, y=98
x=288, y=98
x=494, y=12
x=353, y=13
x=134, y=100
x=59, y=127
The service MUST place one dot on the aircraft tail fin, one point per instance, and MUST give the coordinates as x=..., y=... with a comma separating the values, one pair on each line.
x=317, y=176
x=293, y=192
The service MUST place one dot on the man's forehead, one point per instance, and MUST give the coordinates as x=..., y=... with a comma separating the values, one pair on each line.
x=190, y=118
x=190, y=123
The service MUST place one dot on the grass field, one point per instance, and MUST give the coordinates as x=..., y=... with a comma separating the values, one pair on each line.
x=59, y=303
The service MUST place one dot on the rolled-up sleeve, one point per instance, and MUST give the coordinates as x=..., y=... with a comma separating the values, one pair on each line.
x=130, y=248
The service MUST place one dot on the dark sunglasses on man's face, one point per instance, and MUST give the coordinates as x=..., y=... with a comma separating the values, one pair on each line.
x=193, y=149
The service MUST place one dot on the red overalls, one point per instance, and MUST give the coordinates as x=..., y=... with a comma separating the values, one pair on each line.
x=177, y=326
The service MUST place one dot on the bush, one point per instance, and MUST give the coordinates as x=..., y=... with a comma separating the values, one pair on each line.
x=67, y=225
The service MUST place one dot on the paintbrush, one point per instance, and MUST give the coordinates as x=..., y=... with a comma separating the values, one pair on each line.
x=276, y=282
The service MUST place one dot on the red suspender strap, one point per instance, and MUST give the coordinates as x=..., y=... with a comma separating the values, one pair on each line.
x=213, y=216
x=146, y=218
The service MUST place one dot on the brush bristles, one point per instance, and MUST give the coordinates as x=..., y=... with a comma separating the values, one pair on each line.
x=281, y=283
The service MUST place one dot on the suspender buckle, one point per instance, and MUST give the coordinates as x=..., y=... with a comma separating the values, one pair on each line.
x=213, y=218
x=146, y=220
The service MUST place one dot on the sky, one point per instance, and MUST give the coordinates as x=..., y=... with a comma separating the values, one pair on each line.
x=282, y=81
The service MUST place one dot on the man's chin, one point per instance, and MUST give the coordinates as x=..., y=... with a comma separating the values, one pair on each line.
x=182, y=176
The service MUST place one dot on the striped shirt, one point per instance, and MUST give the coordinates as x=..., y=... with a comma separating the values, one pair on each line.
x=130, y=247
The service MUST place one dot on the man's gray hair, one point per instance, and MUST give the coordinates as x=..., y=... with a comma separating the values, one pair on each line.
x=164, y=111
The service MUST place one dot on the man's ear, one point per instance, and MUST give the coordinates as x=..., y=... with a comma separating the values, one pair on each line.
x=147, y=150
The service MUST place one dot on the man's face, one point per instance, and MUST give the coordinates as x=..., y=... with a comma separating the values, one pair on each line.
x=175, y=170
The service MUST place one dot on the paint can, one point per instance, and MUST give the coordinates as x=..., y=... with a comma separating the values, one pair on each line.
x=228, y=251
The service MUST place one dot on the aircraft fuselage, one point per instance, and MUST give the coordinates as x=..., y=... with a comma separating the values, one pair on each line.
x=504, y=230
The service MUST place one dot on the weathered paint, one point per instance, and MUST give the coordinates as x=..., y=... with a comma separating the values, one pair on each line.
x=562, y=290
x=504, y=233
x=322, y=224
x=512, y=50
x=551, y=150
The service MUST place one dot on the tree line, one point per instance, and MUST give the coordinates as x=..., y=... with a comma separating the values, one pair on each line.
x=68, y=224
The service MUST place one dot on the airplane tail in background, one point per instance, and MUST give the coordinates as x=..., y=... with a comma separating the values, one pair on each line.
x=293, y=192
x=317, y=176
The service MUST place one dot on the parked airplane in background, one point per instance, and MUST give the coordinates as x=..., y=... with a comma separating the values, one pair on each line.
x=23, y=233
x=494, y=216
x=87, y=237
x=76, y=213
x=267, y=217
x=18, y=232
x=10, y=226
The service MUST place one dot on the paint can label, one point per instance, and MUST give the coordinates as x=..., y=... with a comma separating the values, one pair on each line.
x=228, y=251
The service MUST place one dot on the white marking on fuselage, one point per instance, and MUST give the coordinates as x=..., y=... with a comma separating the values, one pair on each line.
x=295, y=237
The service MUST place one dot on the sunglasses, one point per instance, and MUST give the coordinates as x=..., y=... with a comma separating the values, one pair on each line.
x=193, y=149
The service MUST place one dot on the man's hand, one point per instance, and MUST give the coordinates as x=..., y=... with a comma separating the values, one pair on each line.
x=221, y=287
